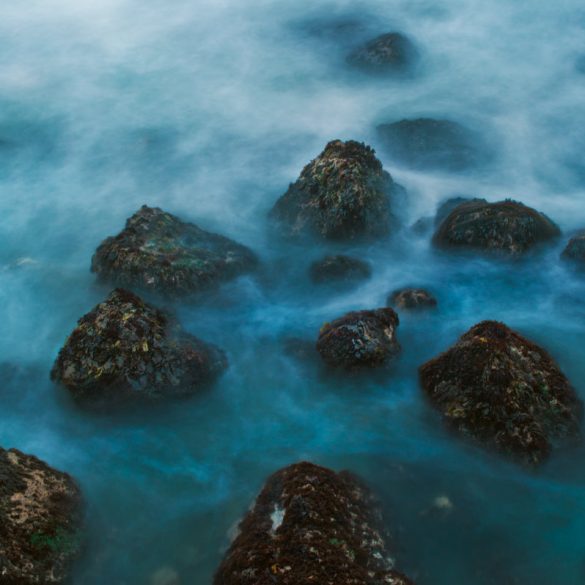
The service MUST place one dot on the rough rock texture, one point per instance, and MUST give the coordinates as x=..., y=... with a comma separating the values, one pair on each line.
x=426, y=143
x=412, y=298
x=342, y=194
x=40, y=521
x=310, y=525
x=575, y=249
x=507, y=226
x=504, y=391
x=125, y=349
x=360, y=339
x=334, y=269
x=391, y=52
x=156, y=251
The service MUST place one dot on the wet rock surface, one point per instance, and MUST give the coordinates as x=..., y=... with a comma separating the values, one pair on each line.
x=360, y=339
x=506, y=226
x=311, y=525
x=40, y=521
x=339, y=269
x=575, y=249
x=504, y=391
x=387, y=53
x=343, y=194
x=156, y=251
x=127, y=350
x=412, y=298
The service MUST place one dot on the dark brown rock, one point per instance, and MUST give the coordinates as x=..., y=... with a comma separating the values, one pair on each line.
x=412, y=298
x=339, y=269
x=504, y=391
x=311, y=525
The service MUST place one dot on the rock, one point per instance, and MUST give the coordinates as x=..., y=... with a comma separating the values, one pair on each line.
x=575, y=249
x=506, y=226
x=311, y=525
x=343, y=194
x=412, y=298
x=335, y=269
x=391, y=52
x=158, y=252
x=426, y=143
x=40, y=521
x=503, y=391
x=445, y=208
x=360, y=339
x=126, y=350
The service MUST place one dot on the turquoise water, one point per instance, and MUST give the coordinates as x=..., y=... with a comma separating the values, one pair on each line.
x=209, y=109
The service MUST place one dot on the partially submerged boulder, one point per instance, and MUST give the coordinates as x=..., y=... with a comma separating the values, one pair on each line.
x=412, y=298
x=504, y=391
x=388, y=53
x=127, y=350
x=156, y=251
x=339, y=269
x=311, y=525
x=575, y=249
x=506, y=226
x=360, y=339
x=343, y=194
x=40, y=521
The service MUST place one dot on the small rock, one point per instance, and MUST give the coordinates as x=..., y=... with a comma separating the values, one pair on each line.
x=575, y=249
x=391, y=52
x=340, y=268
x=411, y=298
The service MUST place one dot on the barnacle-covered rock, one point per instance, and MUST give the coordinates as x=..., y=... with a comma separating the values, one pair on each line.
x=387, y=53
x=126, y=350
x=360, y=339
x=343, y=194
x=40, y=521
x=311, y=525
x=412, y=298
x=506, y=226
x=339, y=269
x=158, y=252
x=504, y=391
x=575, y=249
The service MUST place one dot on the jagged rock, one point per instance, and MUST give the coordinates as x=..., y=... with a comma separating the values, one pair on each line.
x=40, y=521
x=311, y=525
x=158, y=252
x=575, y=249
x=360, y=339
x=504, y=391
x=340, y=268
x=343, y=194
x=126, y=350
x=507, y=226
x=412, y=298
x=426, y=143
x=390, y=52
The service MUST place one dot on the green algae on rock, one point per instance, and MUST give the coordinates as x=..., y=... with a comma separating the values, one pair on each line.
x=126, y=350
x=504, y=391
x=311, y=525
x=158, y=252
x=339, y=269
x=343, y=194
x=40, y=521
x=507, y=226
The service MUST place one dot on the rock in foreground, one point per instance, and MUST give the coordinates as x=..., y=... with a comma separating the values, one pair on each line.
x=40, y=521
x=388, y=53
x=507, y=226
x=339, y=269
x=575, y=249
x=343, y=194
x=158, y=252
x=412, y=298
x=310, y=525
x=360, y=339
x=504, y=391
x=126, y=350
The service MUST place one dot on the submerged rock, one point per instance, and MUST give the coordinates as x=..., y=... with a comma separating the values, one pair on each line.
x=126, y=350
x=343, y=194
x=390, y=52
x=412, y=298
x=449, y=205
x=40, y=521
x=340, y=268
x=504, y=391
x=360, y=339
x=575, y=249
x=426, y=143
x=507, y=226
x=158, y=252
x=311, y=525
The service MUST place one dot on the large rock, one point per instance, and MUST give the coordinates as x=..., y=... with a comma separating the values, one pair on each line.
x=342, y=194
x=426, y=143
x=158, y=252
x=360, y=339
x=339, y=269
x=411, y=298
x=40, y=521
x=507, y=226
x=575, y=249
x=311, y=525
x=387, y=53
x=126, y=350
x=504, y=391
